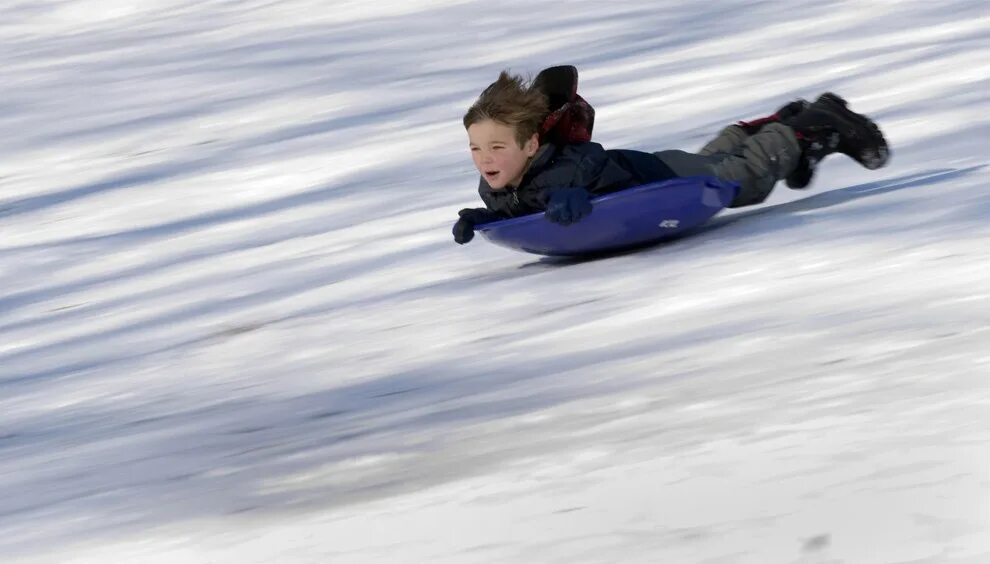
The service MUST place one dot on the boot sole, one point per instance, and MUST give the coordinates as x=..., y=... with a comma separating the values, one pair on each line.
x=857, y=126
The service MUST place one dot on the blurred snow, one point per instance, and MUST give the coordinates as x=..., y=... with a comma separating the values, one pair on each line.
x=235, y=327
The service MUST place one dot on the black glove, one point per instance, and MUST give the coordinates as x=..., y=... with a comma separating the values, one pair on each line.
x=464, y=228
x=568, y=205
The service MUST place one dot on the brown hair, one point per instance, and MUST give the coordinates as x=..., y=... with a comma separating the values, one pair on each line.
x=511, y=101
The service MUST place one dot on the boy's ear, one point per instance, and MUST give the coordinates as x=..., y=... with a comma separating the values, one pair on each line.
x=532, y=145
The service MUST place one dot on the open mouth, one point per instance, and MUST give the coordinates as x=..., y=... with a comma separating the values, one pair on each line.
x=490, y=174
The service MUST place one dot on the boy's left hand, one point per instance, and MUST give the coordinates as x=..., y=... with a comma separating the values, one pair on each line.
x=568, y=205
x=469, y=217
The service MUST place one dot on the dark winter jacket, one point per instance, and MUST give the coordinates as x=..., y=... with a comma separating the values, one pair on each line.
x=585, y=165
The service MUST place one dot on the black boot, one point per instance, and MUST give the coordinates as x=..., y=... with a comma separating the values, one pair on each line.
x=828, y=126
x=801, y=176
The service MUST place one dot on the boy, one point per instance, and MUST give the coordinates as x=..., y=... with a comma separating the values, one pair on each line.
x=522, y=173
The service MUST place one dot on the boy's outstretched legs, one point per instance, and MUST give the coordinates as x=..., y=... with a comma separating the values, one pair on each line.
x=730, y=138
x=758, y=154
x=727, y=141
x=756, y=163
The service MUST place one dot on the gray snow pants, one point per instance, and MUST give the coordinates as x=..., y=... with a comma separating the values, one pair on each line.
x=756, y=162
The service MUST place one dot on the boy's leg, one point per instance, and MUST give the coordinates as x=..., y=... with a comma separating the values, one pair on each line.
x=757, y=163
x=726, y=142
x=730, y=138
x=777, y=151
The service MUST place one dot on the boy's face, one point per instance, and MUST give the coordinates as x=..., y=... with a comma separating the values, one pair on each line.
x=497, y=155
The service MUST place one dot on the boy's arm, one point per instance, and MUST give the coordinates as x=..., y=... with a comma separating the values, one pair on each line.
x=509, y=203
x=584, y=165
x=594, y=171
x=579, y=172
x=468, y=218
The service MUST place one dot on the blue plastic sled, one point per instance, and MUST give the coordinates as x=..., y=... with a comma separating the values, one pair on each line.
x=629, y=218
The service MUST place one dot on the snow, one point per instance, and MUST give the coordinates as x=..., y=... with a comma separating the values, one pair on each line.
x=235, y=328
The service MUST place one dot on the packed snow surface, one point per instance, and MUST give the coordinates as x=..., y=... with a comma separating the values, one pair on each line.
x=234, y=326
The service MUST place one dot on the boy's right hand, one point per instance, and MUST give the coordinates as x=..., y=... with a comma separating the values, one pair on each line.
x=568, y=205
x=469, y=217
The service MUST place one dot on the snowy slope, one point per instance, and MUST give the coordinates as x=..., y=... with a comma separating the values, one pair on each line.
x=234, y=327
